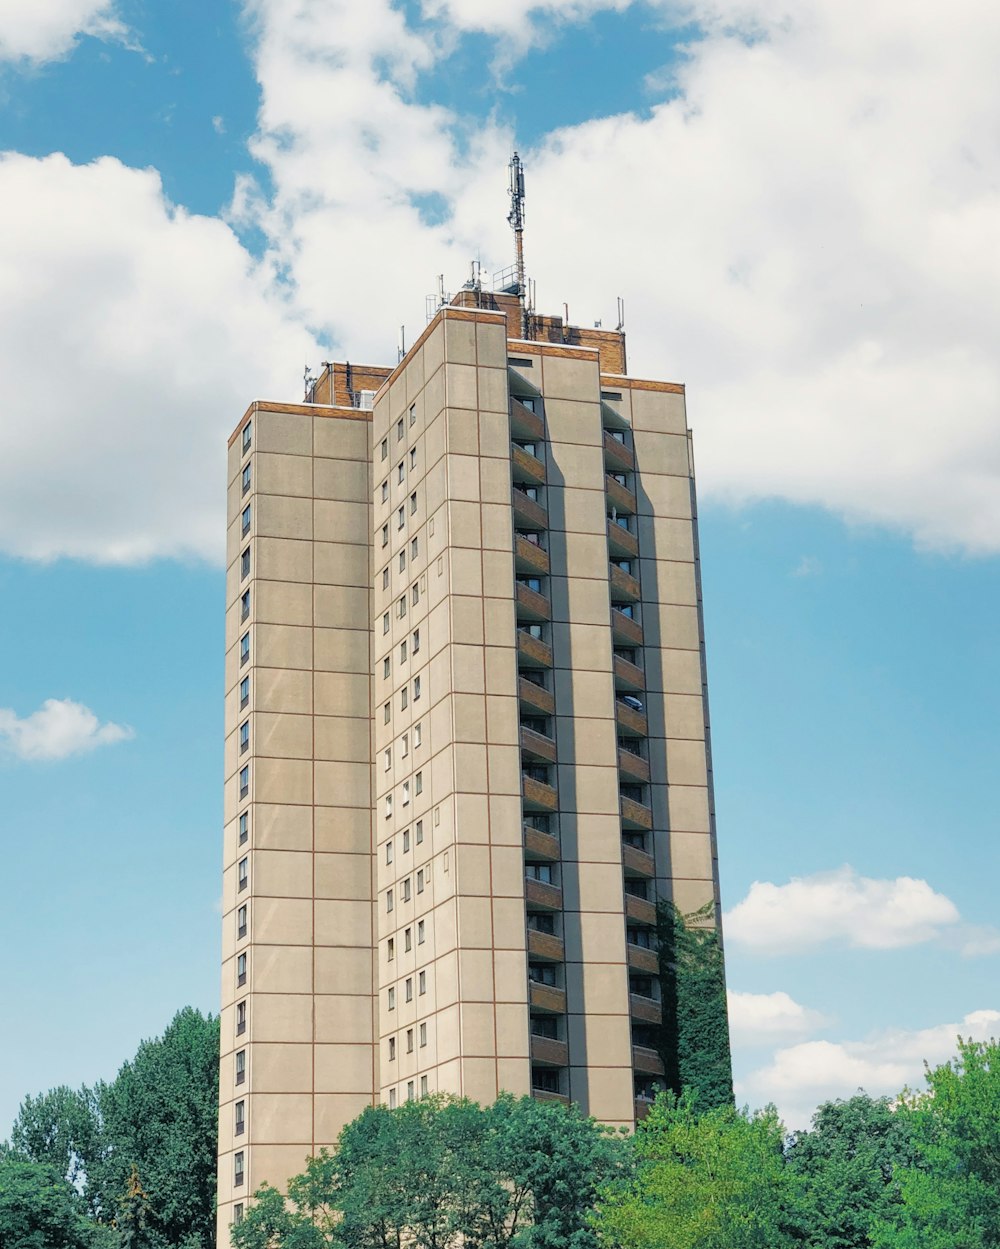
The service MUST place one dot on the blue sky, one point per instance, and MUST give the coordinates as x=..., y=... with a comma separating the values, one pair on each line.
x=794, y=236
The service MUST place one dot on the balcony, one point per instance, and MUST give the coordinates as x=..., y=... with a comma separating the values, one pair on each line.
x=621, y=541
x=546, y=1095
x=529, y=557
x=546, y=997
x=528, y=513
x=637, y=862
x=632, y=766
x=626, y=631
x=549, y=1052
x=537, y=746
x=540, y=796
x=642, y=960
x=629, y=718
x=525, y=423
x=624, y=587
x=617, y=456
x=530, y=605
x=646, y=1060
x=645, y=1009
x=546, y=946
x=524, y=467
x=619, y=497
x=532, y=652
x=636, y=815
x=541, y=896
x=640, y=910
x=628, y=676
x=539, y=845
x=642, y=1106
x=534, y=697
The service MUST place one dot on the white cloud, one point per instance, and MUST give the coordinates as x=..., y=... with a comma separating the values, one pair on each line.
x=132, y=337
x=802, y=1076
x=758, y=1018
x=58, y=729
x=44, y=30
x=843, y=906
x=808, y=566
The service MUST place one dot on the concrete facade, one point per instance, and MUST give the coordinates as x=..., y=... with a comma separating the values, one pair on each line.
x=467, y=737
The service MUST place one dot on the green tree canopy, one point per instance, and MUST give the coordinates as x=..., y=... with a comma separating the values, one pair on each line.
x=39, y=1208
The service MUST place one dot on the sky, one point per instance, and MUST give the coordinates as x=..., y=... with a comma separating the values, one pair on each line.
x=800, y=206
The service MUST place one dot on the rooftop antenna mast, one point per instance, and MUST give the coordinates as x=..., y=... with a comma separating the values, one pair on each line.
x=516, y=219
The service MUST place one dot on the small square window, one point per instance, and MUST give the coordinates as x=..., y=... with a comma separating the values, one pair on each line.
x=244, y=736
x=399, y=430
x=406, y=841
x=405, y=745
x=241, y=970
x=245, y=564
x=406, y=793
x=387, y=713
x=413, y=502
x=423, y=1084
x=243, y=872
x=418, y=783
x=390, y=949
x=245, y=520
x=423, y=1035
x=402, y=560
x=241, y=921
x=244, y=648
x=388, y=851
x=388, y=805
x=401, y=606
x=417, y=734
x=392, y=1099
x=400, y=472
x=247, y=435
x=386, y=666
x=388, y=900
x=403, y=698
x=241, y=1018
x=406, y=891
x=241, y=1066
x=385, y=623
x=401, y=518
x=409, y=988
x=385, y=490
x=408, y=940
x=413, y=457
x=392, y=1049
x=238, y=1172
x=416, y=640
x=385, y=577
x=409, y=1040
x=413, y=414
x=414, y=548
x=244, y=827
x=422, y=983
x=244, y=781
x=387, y=757
x=391, y=998
x=238, y=1212
x=419, y=830
x=385, y=448
x=244, y=692
x=402, y=651
x=420, y=881
x=415, y=594
x=385, y=535
x=420, y=932
x=245, y=605
x=409, y=1090
x=246, y=478
x=416, y=688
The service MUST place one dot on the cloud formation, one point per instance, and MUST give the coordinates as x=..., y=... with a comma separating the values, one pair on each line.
x=841, y=906
x=802, y=1076
x=760, y=1018
x=58, y=729
x=44, y=30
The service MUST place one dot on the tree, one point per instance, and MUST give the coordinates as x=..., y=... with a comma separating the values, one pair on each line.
x=705, y=1181
x=60, y=1128
x=694, y=1043
x=133, y=1215
x=39, y=1208
x=951, y=1192
x=847, y=1167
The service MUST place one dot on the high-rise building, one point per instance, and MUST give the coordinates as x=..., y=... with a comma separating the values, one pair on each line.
x=466, y=733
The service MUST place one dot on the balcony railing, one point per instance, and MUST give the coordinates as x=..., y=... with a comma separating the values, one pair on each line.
x=629, y=718
x=627, y=674
x=640, y=959
x=617, y=456
x=632, y=766
x=537, y=745
x=529, y=557
x=621, y=541
x=538, y=795
x=532, y=652
x=636, y=815
x=529, y=513
x=525, y=423
x=546, y=946
x=626, y=631
x=530, y=604
x=546, y=997
x=541, y=896
x=646, y=1060
x=645, y=1009
x=640, y=910
x=540, y=845
x=535, y=697
x=624, y=586
x=550, y=1052
x=638, y=862
x=526, y=467
x=619, y=497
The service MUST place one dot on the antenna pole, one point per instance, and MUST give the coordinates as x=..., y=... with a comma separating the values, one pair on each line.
x=516, y=219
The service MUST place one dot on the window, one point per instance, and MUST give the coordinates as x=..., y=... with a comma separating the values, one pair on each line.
x=422, y=983
x=388, y=851
x=423, y=1035
x=241, y=1066
x=245, y=605
x=392, y=1099
x=420, y=881
x=392, y=1049
x=387, y=713
x=409, y=1090
x=405, y=752
x=420, y=932
x=418, y=783
x=401, y=518
x=385, y=622
x=238, y=1167
x=388, y=900
x=241, y=969
x=413, y=414
x=403, y=695
x=244, y=648
x=238, y=1212
x=244, y=826
x=414, y=548
x=416, y=688
x=409, y=988
x=241, y=1018
x=240, y=1118
x=406, y=842
x=413, y=457
x=246, y=520
x=399, y=430
x=420, y=823
x=241, y=921
x=539, y=871
x=391, y=998
x=385, y=448
x=243, y=871
x=409, y=1040
x=408, y=940
x=415, y=594
x=385, y=490
x=247, y=434
x=413, y=502
x=401, y=605
x=385, y=577
x=390, y=949
x=387, y=756
x=423, y=1086
x=406, y=889
x=245, y=564
x=400, y=472
x=416, y=640
x=385, y=535
x=406, y=793
x=244, y=780
x=402, y=560
x=542, y=973
x=417, y=734
x=244, y=692
x=402, y=651
x=244, y=736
